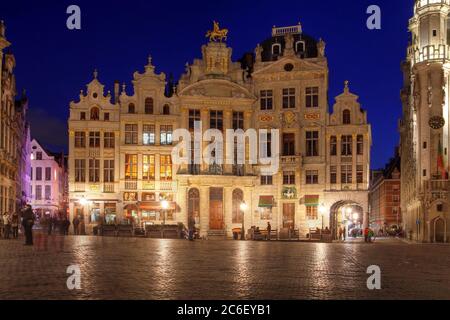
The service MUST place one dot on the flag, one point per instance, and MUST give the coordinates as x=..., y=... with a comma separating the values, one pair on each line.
x=440, y=161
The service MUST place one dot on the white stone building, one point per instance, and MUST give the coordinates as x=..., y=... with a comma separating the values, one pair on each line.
x=120, y=145
x=425, y=125
x=48, y=178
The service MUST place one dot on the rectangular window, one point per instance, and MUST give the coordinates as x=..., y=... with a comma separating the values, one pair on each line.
x=216, y=120
x=94, y=139
x=266, y=99
x=131, y=134
x=194, y=116
x=312, y=97
x=238, y=120
x=266, y=180
x=48, y=192
x=165, y=135
x=311, y=213
x=38, y=174
x=38, y=192
x=288, y=144
x=108, y=142
x=289, y=98
x=131, y=169
x=333, y=174
x=265, y=213
x=312, y=176
x=148, y=167
x=148, y=134
x=333, y=146
x=106, y=116
x=82, y=115
x=108, y=170
x=346, y=173
x=80, y=140
x=94, y=170
x=359, y=174
x=360, y=144
x=80, y=170
x=312, y=143
x=347, y=145
x=48, y=174
x=165, y=167
x=38, y=155
x=289, y=177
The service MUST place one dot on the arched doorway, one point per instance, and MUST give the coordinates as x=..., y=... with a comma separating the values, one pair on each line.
x=439, y=230
x=347, y=216
x=194, y=206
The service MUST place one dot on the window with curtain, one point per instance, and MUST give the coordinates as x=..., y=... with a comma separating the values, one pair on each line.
x=148, y=167
x=80, y=170
x=108, y=170
x=165, y=167
x=131, y=169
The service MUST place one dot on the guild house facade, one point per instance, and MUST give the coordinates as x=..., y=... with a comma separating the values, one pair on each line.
x=424, y=126
x=120, y=146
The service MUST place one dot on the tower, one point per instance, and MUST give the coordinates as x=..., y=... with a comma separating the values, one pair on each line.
x=425, y=125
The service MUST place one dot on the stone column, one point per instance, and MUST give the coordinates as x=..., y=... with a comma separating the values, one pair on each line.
x=204, y=210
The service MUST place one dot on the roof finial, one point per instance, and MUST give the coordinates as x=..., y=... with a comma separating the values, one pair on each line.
x=2, y=28
x=149, y=59
x=95, y=73
x=346, y=83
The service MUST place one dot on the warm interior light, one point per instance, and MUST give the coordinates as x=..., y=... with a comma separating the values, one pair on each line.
x=165, y=204
x=243, y=206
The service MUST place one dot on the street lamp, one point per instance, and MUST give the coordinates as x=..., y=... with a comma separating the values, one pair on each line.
x=164, y=206
x=322, y=211
x=243, y=208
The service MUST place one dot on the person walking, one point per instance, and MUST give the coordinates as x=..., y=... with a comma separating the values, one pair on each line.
x=27, y=223
x=269, y=230
x=15, y=225
x=340, y=233
x=76, y=224
x=66, y=227
x=366, y=234
x=7, y=224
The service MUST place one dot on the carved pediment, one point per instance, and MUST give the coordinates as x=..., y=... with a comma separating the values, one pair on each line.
x=298, y=65
x=217, y=89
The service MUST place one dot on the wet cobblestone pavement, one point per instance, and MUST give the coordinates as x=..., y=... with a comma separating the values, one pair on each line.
x=129, y=268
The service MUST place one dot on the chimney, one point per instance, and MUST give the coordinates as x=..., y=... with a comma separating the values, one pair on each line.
x=116, y=91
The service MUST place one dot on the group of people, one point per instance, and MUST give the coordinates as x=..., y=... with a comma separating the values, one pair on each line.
x=9, y=225
x=368, y=235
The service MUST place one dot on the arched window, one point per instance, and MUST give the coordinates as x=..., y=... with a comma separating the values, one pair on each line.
x=346, y=118
x=131, y=108
x=149, y=106
x=193, y=207
x=300, y=46
x=276, y=49
x=166, y=109
x=238, y=197
x=95, y=113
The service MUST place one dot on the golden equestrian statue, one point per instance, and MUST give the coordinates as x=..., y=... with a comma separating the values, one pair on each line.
x=217, y=34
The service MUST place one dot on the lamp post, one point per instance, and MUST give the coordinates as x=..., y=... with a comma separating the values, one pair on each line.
x=164, y=206
x=322, y=211
x=243, y=208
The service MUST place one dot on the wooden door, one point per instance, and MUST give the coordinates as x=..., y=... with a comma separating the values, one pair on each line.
x=216, y=209
x=216, y=215
x=289, y=215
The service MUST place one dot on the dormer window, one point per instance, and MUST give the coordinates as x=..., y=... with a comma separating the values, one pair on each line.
x=131, y=108
x=149, y=106
x=95, y=114
x=300, y=46
x=166, y=109
x=276, y=49
x=346, y=117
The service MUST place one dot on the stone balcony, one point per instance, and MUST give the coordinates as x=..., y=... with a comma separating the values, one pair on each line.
x=430, y=53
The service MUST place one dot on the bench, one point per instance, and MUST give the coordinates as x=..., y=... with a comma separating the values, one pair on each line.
x=108, y=230
x=124, y=230
x=273, y=234
x=290, y=234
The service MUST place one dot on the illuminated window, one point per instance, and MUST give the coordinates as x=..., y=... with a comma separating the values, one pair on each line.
x=165, y=167
x=148, y=134
x=311, y=213
x=131, y=166
x=148, y=167
x=165, y=135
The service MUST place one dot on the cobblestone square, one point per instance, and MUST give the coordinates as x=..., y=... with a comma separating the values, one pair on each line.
x=135, y=268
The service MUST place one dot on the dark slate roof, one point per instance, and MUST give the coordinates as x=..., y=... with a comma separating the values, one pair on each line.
x=310, y=46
